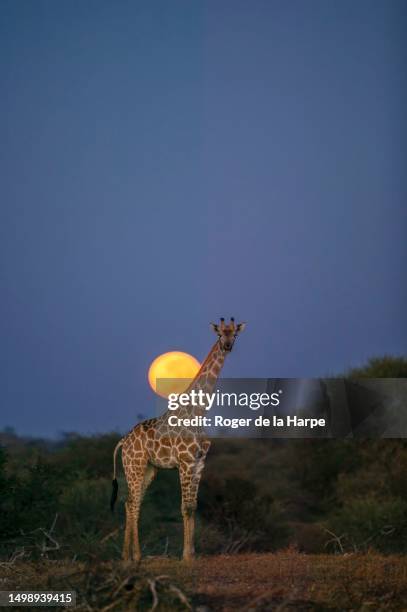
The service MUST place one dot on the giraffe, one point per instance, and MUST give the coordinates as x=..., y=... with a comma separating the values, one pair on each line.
x=153, y=444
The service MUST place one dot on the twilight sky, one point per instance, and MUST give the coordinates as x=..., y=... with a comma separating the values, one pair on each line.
x=167, y=163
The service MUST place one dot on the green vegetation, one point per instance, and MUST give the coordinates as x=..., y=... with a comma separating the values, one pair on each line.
x=381, y=367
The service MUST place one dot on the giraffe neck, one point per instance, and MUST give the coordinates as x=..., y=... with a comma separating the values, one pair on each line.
x=209, y=371
x=206, y=379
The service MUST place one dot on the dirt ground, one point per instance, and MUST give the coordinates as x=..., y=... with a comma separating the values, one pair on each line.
x=248, y=582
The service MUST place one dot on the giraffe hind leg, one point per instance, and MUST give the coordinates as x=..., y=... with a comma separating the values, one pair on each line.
x=128, y=533
x=131, y=545
x=148, y=477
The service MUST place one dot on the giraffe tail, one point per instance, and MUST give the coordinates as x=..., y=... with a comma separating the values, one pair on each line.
x=115, y=486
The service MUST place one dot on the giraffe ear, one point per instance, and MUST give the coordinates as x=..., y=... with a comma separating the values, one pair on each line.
x=240, y=327
x=215, y=327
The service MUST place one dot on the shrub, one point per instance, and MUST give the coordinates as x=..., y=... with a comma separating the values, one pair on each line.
x=381, y=367
x=370, y=522
x=247, y=518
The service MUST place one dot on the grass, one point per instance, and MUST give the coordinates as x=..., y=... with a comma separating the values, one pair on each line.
x=283, y=581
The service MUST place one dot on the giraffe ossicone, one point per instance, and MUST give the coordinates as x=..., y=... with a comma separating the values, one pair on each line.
x=154, y=444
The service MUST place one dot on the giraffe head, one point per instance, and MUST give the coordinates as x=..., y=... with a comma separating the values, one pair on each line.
x=227, y=333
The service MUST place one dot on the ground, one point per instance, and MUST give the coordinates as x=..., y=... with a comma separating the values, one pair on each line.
x=251, y=582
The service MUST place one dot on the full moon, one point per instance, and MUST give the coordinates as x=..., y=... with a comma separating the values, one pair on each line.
x=173, y=366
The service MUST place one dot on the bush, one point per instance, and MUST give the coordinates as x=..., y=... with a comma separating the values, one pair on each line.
x=7, y=500
x=85, y=520
x=371, y=522
x=381, y=367
x=247, y=518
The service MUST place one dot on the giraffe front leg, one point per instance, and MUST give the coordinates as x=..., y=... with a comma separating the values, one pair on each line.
x=190, y=476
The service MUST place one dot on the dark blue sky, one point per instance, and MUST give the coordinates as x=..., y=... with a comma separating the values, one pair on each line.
x=164, y=164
